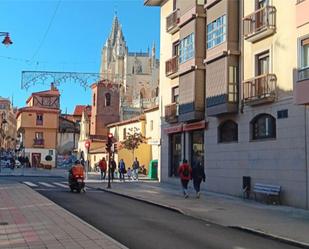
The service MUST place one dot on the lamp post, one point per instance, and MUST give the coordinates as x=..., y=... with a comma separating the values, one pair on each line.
x=7, y=40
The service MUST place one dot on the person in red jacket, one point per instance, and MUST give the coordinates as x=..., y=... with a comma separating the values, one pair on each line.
x=185, y=174
x=103, y=167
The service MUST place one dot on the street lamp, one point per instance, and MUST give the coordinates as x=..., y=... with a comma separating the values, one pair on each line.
x=7, y=40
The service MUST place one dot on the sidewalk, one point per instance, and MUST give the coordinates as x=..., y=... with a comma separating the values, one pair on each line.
x=280, y=222
x=29, y=220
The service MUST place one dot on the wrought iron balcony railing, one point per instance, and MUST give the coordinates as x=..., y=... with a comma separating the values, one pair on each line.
x=172, y=21
x=262, y=21
x=38, y=142
x=260, y=89
x=171, y=113
x=303, y=73
x=39, y=122
x=171, y=65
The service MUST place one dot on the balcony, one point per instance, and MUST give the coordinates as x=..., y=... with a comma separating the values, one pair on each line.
x=39, y=122
x=171, y=113
x=38, y=142
x=259, y=90
x=260, y=24
x=172, y=22
x=301, y=90
x=171, y=67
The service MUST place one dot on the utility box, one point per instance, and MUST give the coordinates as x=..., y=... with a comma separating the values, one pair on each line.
x=153, y=170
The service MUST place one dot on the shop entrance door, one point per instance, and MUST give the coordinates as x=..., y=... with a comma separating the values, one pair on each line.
x=175, y=155
x=36, y=160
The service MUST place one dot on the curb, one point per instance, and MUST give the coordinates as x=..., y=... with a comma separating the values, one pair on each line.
x=52, y=176
x=171, y=208
x=241, y=228
x=271, y=236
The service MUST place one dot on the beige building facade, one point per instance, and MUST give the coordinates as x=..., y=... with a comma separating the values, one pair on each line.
x=37, y=127
x=256, y=60
x=146, y=124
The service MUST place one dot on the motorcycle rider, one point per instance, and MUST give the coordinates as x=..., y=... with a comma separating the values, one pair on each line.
x=77, y=170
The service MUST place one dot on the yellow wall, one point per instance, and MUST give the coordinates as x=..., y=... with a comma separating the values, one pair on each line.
x=49, y=136
x=143, y=154
x=282, y=45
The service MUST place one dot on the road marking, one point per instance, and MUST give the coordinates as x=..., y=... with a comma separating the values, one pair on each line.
x=30, y=184
x=60, y=185
x=46, y=184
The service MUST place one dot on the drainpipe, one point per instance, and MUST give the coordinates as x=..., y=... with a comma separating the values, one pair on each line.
x=306, y=158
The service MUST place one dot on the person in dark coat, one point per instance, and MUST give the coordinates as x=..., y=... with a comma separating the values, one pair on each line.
x=198, y=175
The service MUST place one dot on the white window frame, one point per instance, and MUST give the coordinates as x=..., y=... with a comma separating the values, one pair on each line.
x=186, y=48
x=216, y=32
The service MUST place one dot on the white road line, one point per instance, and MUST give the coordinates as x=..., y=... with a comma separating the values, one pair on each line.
x=30, y=184
x=46, y=184
x=60, y=185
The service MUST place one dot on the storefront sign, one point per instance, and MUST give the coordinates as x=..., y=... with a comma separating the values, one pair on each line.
x=195, y=126
x=154, y=142
x=173, y=129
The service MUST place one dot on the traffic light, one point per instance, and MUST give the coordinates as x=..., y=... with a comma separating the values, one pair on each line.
x=109, y=142
x=115, y=148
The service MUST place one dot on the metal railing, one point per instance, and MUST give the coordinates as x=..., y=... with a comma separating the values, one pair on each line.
x=260, y=87
x=171, y=112
x=171, y=65
x=260, y=19
x=303, y=73
x=38, y=142
x=172, y=20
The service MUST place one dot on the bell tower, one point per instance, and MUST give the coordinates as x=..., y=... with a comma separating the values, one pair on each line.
x=105, y=106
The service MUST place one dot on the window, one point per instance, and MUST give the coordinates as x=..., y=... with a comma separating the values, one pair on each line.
x=261, y=4
x=304, y=60
x=197, y=147
x=228, y=132
x=216, y=32
x=124, y=133
x=93, y=100
x=263, y=126
x=39, y=135
x=39, y=119
x=50, y=152
x=232, y=85
x=186, y=48
x=107, y=99
x=175, y=154
x=175, y=94
x=176, y=48
x=151, y=125
x=262, y=63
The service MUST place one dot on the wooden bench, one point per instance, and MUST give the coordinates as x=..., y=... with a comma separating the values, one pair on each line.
x=269, y=190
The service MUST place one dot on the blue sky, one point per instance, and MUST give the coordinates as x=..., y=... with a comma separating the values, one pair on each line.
x=67, y=35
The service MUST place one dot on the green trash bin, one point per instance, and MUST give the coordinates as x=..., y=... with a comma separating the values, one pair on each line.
x=153, y=170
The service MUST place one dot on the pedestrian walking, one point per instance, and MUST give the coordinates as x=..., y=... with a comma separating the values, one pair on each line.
x=135, y=167
x=198, y=175
x=185, y=174
x=113, y=168
x=129, y=174
x=121, y=169
x=103, y=167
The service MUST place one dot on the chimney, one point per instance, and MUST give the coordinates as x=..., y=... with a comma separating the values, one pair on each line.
x=52, y=87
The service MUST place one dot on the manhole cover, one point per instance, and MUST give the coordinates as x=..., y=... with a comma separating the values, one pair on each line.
x=3, y=223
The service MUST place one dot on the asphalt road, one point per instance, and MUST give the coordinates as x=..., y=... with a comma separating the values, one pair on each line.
x=140, y=225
